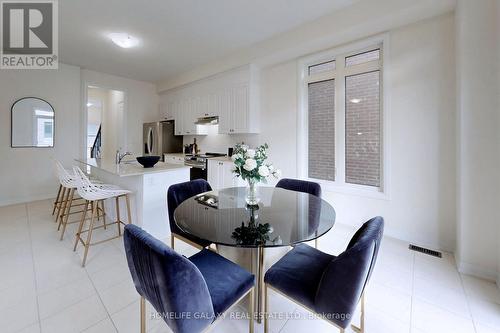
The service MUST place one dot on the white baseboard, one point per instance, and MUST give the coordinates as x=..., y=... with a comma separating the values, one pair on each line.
x=26, y=199
x=474, y=270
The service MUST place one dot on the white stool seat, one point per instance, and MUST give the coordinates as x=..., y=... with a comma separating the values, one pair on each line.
x=93, y=192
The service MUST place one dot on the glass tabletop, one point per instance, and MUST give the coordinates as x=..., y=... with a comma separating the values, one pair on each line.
x=282, y=217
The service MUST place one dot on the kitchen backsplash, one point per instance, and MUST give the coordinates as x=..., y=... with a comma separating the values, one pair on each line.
x=218, y=143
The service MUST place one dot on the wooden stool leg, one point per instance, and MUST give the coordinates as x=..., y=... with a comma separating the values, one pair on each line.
x=129, y=215
x=68, y=210
x=82, y=222
x=89, y=233
x=63, y=209
x=56, y=202
x=59, y=206
x=118, y=218
x=103, y=214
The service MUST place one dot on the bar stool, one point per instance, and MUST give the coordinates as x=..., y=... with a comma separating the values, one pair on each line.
x=94, y=194
x=66, y=198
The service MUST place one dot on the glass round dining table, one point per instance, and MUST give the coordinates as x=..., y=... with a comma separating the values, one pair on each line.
x=282, y=218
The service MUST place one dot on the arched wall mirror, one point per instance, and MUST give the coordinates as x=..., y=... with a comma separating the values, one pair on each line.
x=33, y=123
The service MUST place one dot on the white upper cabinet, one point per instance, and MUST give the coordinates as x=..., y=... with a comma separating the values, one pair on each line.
x=233, y=96
x=167, y=109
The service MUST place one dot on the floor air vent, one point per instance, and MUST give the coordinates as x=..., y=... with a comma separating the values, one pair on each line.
x=425, y=251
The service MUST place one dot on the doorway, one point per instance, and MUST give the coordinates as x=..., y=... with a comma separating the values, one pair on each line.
x=105, y=122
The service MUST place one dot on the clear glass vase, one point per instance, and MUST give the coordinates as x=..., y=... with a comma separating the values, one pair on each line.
x=252, y=197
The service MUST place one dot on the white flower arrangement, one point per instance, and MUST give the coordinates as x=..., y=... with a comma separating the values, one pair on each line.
x=250, y=164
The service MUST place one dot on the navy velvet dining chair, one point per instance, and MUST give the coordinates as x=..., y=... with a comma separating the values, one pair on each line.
x=304, y=186
x=298, y=185
x=177, y=194
x=325, y=284
x=189, y=294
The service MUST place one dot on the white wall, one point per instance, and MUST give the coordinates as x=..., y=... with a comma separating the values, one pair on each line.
x=141, y=103
x=498, y=106
x=26, y=174
x=113, y=137
x=421, y=207
x=479, y=138
x=362, y=19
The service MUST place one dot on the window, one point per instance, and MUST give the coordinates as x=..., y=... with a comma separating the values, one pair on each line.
x=362, y=129
x=321, y=134
x=322, y=67
x=47, y=130
x=344, y=118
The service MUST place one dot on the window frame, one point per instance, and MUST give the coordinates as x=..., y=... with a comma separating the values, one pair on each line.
x=339, y=74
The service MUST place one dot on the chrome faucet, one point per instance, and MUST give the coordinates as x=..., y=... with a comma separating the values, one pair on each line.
x=119, y=157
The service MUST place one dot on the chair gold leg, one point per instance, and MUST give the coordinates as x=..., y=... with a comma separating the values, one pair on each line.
x=118, y=218
x=56, y=202
x=89, y=235
x=362, y=319
x=251, y=310
x=266, y=310
x=172, y=240
x=82, y=222
x=361, y=328
x=143, y=315
x=316, y=243
x=68, y=210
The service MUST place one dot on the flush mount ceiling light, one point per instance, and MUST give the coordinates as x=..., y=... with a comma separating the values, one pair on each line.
x=355, y=100
x=123, y=40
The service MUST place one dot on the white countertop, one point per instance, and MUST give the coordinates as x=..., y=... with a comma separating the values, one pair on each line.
x=129, y=168
x=222, y=159
x=175, y=154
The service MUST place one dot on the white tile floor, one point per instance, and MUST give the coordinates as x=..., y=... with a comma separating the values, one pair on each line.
x=43, y=288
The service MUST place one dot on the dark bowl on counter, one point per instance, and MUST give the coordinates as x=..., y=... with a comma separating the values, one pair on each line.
x=148, y=161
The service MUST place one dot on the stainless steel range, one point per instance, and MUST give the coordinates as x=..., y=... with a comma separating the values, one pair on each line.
x=199, y=164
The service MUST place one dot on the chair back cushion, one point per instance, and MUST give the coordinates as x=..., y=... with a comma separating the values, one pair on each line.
x=170, y=282
x=178, y=193
x=300, y=186
x=345, y=278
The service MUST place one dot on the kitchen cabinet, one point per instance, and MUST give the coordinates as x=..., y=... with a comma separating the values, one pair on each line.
x=220, y=174
x=233, y=96
x=189, y=127
x=167, y=110
x=235, y=116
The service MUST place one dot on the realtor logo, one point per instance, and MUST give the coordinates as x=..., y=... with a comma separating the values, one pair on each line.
x=29, y=35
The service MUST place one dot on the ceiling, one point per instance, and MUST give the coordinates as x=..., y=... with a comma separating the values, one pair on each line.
x=176, y=35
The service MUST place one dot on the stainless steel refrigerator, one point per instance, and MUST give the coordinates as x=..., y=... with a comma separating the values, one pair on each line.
x=159, y=138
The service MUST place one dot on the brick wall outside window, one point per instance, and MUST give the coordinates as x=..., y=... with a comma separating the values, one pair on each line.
x=363, y=129
x=322, y=130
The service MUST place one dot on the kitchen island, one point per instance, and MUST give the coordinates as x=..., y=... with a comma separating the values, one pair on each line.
x=149, y=190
